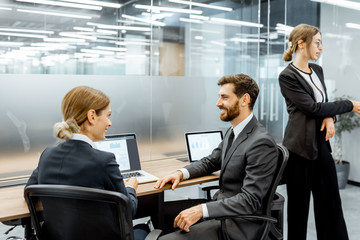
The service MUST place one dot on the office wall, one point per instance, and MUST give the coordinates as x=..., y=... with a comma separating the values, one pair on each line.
x=341, y=67
x=158, y=109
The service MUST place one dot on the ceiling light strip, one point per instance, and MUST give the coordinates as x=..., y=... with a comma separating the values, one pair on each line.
x=247, y=40
x=167, y=9
x=342, y=3
x=22, y=35
x=155, y=23
x=102, y=31
x=190, y=20
x=12, y=44
x=37, y=48
x=74, y=35
x=25, y=30
x=54, y=45
x=202, y=5
x=284, y=27
x=204, y=18
x=102, y=52
x=158, y=16
x=218, y=43
x=236, y=22
x=128, y=22
x=111, y=49
x=204, y=31
x=105, y=26
x=54, y=14
x=62, y=4
x=121, y=43
x=352, y=25
x=65, y=40
x=96, y=3
x=87, y=55
x=83, y=29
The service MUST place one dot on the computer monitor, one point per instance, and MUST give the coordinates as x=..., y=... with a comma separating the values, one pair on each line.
x=201, y=144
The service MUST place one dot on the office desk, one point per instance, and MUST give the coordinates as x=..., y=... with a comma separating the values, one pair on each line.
x=13, y=205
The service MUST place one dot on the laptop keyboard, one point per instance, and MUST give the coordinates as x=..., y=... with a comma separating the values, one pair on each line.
x=132, y=174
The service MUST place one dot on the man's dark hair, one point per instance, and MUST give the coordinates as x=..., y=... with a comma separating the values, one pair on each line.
x=243, y=84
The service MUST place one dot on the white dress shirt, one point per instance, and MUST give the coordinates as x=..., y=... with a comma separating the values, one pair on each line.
x=82, y=137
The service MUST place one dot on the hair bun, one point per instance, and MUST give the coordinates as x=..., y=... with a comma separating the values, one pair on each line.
x=65, y=129
x=288, y=54
x=73, y=126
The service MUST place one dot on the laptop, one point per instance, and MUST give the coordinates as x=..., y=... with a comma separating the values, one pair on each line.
x=201, y=144
x=125, y=149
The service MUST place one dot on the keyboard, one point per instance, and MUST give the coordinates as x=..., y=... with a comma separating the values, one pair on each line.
x=132, y=174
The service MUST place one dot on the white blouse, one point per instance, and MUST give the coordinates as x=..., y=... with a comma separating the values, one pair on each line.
x=313, y=80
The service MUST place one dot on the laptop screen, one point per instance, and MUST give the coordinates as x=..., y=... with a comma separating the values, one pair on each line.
x=125, y=149
x=201, y=144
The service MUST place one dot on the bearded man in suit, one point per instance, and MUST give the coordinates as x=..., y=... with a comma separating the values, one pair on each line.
x=247, y=158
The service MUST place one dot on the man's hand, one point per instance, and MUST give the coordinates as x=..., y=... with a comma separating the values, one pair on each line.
x=131, y=182
x=188, y=217
x=328, y=123
x=356, y=106
x=174, y=178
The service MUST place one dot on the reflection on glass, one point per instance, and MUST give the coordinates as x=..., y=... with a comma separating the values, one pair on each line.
x=164, y=59
x=165, y=38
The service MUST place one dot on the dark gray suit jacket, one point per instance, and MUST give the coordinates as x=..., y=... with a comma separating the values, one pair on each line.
x=76, y=163
x=246, y=174
x=305, y=114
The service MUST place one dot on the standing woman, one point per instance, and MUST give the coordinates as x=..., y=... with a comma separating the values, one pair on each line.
x=76, y=161
x=311, y=168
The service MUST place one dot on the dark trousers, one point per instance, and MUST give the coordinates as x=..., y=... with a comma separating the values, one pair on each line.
x=173, y=208
x=141, y=231
x=208, y=229
x=318, y=177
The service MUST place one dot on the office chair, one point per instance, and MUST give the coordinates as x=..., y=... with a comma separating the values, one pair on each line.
x=61, y=212
x=273, y=204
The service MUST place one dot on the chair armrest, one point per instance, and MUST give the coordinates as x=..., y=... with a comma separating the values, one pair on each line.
x=154, y=234
x=275, y=232
x=208, y=189
x=278, y=202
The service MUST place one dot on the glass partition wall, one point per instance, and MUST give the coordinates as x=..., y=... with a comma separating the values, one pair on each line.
x=340, y=25
x=158, y=61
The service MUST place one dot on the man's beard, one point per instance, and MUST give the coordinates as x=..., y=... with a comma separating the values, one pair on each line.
x=231, y=112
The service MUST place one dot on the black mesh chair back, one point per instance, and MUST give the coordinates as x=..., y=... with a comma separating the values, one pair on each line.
x=60, y=212
x=269, y=229
x=275, y=201
x=283, y=156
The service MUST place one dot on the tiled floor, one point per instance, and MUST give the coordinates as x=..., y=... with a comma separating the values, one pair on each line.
x=350, y=200
x=350, y=197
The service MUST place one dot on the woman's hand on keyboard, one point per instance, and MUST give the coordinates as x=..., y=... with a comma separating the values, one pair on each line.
x=131, y=182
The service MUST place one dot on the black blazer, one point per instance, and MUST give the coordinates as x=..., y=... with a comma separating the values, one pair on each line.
x=75, y=162
x=305, y=114
x=247, y=171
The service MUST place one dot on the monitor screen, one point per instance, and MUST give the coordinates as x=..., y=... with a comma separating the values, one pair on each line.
x=124, y=147
x=201, y=144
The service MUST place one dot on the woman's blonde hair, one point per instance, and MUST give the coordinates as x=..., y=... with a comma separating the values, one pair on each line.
x=302, y=32
x=75, y=106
